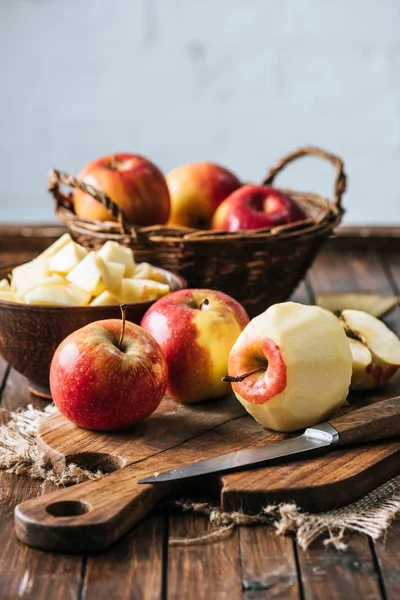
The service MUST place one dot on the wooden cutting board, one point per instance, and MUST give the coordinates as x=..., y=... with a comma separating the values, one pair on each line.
x=92, y=515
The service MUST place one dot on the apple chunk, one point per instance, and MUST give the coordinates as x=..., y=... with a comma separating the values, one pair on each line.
x=67, y=258
x=56, y=246
x=30, y=274
x=375, y=349
x=291, y=366
x=93, y=276
x=116, y=253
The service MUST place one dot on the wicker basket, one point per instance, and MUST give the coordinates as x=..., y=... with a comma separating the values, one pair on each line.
x=258, y=267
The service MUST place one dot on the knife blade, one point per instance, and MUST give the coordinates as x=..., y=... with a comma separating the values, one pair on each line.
x=377, y=421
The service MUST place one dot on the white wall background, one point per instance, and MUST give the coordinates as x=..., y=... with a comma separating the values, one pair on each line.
x=239, y=82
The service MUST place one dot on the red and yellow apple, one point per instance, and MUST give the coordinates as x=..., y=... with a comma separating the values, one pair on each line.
x=255, y=207
x=374, y=347
x=196, y=329
x=132, y=182
x=196, y=191
x=102, y=384
x=291, y=366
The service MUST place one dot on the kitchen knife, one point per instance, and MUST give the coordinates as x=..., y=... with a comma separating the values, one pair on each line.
x=377, y=421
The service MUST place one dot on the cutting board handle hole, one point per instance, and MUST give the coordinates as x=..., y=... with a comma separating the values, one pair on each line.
x=96, y=461
x=70, y=508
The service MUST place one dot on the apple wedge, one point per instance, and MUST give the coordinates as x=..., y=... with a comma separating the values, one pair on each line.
x=94, y=277
x=291, y=366
x=374, y=347
x=374, y=304
x=8, y=296
x=56, y=246
x=67, y=258
x=28, y=275
x=116, y=253
x=140, y=290
x=145, y=270
x=61, y=295
x=105, y=299
x=5, y=285
x=50, y=280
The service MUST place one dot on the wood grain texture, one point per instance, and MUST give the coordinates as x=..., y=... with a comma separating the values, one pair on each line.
x=268, y=565
x=387, y=552
x=205, y=569
x=25, y=572
x=346, y=575
x=132, y=568
x=368, y=424
x=95, y=514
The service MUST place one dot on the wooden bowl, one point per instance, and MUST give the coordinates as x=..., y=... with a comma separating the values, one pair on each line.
x=30, y=334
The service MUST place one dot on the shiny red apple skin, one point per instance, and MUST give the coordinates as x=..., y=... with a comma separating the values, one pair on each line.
x=196, y=341
x=256, y=207
x=97, y=386
x=196, y=190
x=131, y=181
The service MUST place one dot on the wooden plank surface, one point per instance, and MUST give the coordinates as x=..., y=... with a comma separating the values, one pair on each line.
x=25, y=572
x=202, y=569
x=260, y=564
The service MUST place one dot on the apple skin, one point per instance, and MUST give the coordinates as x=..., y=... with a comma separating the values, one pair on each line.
x=255, y=207
x=196, y=190
x=300, y=366
x=97, y=386
x=132, y=182
x=196, y=341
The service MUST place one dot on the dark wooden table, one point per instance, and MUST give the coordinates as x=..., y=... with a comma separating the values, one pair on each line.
x=252, y=563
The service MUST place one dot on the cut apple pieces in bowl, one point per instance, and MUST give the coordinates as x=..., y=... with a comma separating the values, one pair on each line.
x=374, y=304
x=375, y=349
x=66, y=274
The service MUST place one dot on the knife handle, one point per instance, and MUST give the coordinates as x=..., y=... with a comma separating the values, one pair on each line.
x=377, y=421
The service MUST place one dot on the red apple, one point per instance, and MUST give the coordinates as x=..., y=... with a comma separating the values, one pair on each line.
x=255, y=207
x=196, y=330
x=132, y=182
x=196, y=191
x=101, y=385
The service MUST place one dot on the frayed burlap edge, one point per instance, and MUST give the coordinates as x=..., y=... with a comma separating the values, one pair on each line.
x=371, y=515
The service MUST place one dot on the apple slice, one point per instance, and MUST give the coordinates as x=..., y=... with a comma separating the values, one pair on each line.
x=381, y=359
x=56, y=246
x=8, y=296
x=116, y=253
x=5, y=285
x=67, y=258
x=291, y=366
x=90, y=275
x=140, y=290
x=61, y=295
x=105, y=299
x=374, y=304
x=145, y=270
x=26, y=276
x=50, y=280
x=113, y=276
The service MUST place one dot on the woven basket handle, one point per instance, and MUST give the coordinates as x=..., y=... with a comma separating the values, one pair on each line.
x=340, y=182
x=57, y=178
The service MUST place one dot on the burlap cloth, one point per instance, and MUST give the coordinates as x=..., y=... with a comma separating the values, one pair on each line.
x=370, y=515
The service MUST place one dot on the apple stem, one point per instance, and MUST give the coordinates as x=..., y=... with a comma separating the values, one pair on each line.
x=123, y=308
x=239, y=378
x=114, y=162
x=204, y=302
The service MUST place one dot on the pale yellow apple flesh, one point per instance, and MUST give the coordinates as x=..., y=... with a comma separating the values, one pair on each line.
x=382, y=346
x=305, y=366
x=67, y=258
x=116, y=253
x=66, y=274
x=374, y=304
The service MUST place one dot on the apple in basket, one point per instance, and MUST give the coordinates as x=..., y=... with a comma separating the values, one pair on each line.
x=196, y=190
x=291, y=366
x=255, y=207
x=131, y=181
x=196, y=329
x=108, y=375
